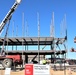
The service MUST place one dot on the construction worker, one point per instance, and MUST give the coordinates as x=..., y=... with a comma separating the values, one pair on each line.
x=44, y=61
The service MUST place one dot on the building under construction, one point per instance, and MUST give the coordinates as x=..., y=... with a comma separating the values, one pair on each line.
x=33, y=41
x=12, y=53
x=20, y=46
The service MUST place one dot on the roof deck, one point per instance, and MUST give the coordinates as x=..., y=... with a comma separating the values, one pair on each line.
x=29, y=40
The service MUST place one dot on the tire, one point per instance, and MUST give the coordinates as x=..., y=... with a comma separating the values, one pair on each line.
x=7, y=63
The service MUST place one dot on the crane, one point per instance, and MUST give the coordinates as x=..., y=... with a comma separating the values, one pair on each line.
x=7, y=61
x=6, y=19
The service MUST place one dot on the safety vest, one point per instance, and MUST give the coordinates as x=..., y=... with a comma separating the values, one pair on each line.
x=44, y=61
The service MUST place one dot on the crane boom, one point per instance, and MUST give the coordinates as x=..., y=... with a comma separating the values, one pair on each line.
x=9, y=14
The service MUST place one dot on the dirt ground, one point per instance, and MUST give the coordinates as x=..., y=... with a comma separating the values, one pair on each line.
x=67, y=72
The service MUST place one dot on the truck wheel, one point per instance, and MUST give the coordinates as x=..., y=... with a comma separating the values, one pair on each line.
x=7, y=63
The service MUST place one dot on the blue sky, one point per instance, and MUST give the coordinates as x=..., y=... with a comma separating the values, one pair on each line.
x=45, y=9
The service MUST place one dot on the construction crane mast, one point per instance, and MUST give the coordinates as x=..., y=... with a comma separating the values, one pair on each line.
x=9, y=14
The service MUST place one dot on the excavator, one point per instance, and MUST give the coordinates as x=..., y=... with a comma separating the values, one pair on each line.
x=8, y=60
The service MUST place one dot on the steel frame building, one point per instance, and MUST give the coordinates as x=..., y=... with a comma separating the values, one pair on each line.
x=33, y=41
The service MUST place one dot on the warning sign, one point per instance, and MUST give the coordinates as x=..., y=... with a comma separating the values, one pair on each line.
x=35, y=69
x=41, y=70
x=29, y=69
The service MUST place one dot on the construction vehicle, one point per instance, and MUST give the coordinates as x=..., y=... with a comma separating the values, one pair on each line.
x=9, y=60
